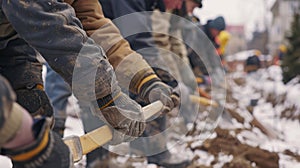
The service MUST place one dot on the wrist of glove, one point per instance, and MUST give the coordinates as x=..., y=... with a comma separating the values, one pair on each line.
x=47, y=151
x=124, y=116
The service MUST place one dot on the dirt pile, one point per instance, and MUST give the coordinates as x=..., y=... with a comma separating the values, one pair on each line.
x=243, y=156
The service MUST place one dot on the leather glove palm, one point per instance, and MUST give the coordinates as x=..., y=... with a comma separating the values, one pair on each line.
x=125, y=116
x=161, y=88
x=160, y=91
x=35, y=101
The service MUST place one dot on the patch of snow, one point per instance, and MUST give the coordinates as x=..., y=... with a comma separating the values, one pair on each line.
x=253, y=138
x=222, y=159
x=151, y=166
x=204, y=157
x=5, y=162
x=275, y=73
x=293, y=95
x=287, y=161
x=245, y=114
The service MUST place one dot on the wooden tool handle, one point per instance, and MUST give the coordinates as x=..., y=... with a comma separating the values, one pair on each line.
x=102, y=135
x=95, y=139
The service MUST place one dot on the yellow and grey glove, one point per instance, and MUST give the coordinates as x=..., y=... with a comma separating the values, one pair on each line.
x=152, y=89
x=47, y=151
x=124, y=115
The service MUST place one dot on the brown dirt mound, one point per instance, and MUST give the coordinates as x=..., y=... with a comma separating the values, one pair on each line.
x=244, y=156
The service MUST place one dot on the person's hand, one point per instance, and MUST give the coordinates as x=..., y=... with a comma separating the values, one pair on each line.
x=160, y=87
x=125, y=116
x=160, y=91
x=35, y=101
x=46, y=151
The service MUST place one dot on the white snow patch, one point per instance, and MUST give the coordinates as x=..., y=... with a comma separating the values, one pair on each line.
x=287, y=161
x=222, y=158
x=5, y=162
x=293, y=95
x=204, y=157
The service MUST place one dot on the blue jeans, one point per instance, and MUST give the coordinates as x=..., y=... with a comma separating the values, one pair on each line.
x=58, y=92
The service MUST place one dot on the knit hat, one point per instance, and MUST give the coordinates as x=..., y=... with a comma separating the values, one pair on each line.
x=218, y=23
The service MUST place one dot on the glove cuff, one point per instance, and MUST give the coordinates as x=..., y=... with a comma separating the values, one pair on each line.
x=140, y=79
x=147, y=88
x=146, y=82
x=35, y=151
x=166, y=77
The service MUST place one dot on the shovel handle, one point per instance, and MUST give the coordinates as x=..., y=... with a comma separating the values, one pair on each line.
x=102, y=135
x=90, y=141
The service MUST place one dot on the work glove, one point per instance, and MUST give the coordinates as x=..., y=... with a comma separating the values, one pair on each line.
x=154, y=91
x=47, y=151
x=123, y=115
x=156, y=87
x=35, y=101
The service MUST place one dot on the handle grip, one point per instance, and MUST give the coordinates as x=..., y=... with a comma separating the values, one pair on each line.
x=86, y=143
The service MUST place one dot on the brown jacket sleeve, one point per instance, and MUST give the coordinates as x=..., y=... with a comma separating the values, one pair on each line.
x=118, y=50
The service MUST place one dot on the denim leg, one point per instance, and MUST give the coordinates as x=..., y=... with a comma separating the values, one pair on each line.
x=58, y=92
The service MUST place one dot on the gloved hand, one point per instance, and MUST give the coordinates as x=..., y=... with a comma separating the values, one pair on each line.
x=159, y=86
x=147, y=86
x=35, y=101
x=47, y=151
x=154, y=91
x=124, y=115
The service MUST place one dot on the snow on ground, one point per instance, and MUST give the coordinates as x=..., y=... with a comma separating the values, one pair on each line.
x=274, y=100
